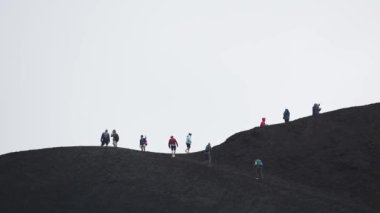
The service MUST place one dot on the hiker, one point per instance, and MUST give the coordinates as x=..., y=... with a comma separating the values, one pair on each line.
x=259, y=169
x=316, y=109
x=286, y=115
x=115, y=138
x=173, y=145
x=105, y=138
x=208, y=153
x=188, y=143
x=143, y=143
x=262, y=124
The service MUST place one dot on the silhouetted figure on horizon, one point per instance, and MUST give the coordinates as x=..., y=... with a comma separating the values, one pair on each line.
x=316, y=109
x=262, y=124
x=208, y=153
x=173, y=144
x=286, y=115
x=143, y=143
x=105, y=138
x=259, y=169
x=115, y=138
x=188, y=143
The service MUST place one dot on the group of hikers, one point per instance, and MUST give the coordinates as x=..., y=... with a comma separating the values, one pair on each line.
x=173, y=144
x=258, y=164
x=105, y=138
x=286, y=115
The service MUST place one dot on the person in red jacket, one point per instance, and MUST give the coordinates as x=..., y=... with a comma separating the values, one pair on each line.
x=173, y=145
x=262, y=124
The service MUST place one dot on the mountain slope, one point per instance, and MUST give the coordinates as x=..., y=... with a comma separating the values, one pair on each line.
x=93, y=179
x=315, y=164
x=336, y=151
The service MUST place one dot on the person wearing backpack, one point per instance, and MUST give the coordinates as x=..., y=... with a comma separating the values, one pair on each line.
x=143, y=143
x=259, y=169
x=188, y=143
x=105, y=138
x=115, y=138
x=316, y=109
x=173, y=144
x=286, y=115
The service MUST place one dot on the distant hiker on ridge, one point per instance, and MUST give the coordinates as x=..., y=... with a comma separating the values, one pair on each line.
x=208, y=153
x=259, y=169
x=115, y=138
x=316, y=109
x=173, y=145
x=188, y=143
x=262, y=124
x=286, y=115
x=143, y=143
x=105, y=138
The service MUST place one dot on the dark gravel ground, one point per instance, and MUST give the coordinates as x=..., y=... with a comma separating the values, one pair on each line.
x=315, y=164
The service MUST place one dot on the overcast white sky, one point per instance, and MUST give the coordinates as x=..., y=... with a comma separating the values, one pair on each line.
x=69, y=69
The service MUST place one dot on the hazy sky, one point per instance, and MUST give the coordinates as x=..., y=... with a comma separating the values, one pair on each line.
x=69, y=69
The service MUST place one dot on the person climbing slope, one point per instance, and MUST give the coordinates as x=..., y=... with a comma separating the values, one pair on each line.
x=188, y=143
x=316, y=109
x=115, y=138
x=286, y=115
x=173, y=145
x=105, y=138
x=143, y=143
x=262, y=124
x=259, y=169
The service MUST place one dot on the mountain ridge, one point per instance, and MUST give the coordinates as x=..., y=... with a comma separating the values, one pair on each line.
x=315, y=164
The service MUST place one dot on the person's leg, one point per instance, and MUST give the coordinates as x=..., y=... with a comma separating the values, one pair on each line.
x=173, y=151
x=260, y=172
x=257, y=172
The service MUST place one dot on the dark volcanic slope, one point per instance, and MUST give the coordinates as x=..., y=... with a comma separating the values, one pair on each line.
x=337, y=152
x=324, y=164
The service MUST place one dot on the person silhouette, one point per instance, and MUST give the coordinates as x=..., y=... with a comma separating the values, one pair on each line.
x=316, y=109
x=173, y=144
x=115, y=138
x=188, y=143
x=105, y=138
x=286, y=115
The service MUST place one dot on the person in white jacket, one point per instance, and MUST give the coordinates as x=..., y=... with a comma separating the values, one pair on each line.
x=188, y=143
